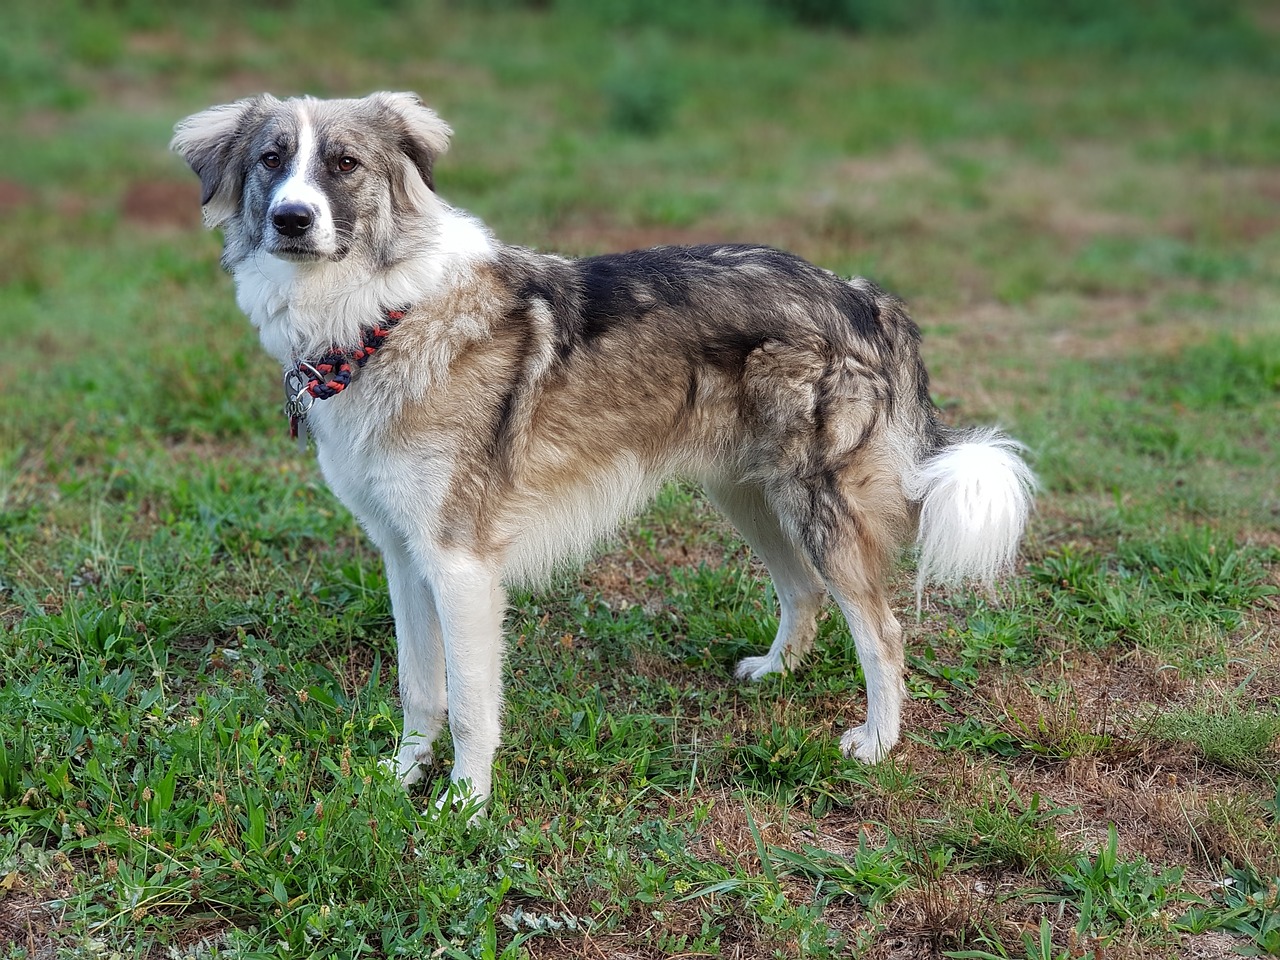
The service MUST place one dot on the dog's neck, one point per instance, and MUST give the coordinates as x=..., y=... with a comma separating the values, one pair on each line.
x=304, y=309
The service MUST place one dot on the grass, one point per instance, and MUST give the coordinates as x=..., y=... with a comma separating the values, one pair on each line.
x=196, y=665
x=1225, y=734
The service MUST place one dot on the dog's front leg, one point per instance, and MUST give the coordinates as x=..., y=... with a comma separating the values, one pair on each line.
x=420, y=652
x=471, y=602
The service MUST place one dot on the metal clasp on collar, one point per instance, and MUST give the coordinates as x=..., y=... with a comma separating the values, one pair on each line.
x=298, y=401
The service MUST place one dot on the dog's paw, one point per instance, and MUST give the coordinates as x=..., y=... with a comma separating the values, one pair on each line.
x=408, y=775
x=865, y=744
x=414, y=774
x=458, y=798
x=757, y=668
x=410, y=764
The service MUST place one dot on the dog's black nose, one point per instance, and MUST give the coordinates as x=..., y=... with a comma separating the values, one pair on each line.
x=292, y=220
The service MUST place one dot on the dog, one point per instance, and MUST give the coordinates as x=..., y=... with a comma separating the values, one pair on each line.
x=488, y=412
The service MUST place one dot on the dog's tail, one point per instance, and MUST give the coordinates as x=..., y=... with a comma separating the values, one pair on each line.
x=975, y=493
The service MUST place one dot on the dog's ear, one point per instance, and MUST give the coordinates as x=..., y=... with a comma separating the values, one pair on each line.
x=211, y=141
x=423, y=135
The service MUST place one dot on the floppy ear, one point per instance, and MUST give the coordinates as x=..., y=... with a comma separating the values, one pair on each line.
x=210, y=142
x=423, y=135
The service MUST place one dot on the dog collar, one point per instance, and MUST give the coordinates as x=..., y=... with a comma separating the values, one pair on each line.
x=310, y=380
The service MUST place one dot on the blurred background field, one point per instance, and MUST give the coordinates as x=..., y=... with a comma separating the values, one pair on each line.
x=1084, y=183
x=1079, y=200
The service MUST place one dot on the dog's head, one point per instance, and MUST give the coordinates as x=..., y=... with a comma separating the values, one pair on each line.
x=311, y=180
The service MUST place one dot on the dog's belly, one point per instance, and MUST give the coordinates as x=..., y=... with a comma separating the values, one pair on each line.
x=541, y=529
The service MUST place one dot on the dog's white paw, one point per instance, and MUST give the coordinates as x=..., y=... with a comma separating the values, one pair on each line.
x=412, y=775
x=407, y=775
x=409, y=764
x=865, y=744
x=757, y=668
x=458, y=798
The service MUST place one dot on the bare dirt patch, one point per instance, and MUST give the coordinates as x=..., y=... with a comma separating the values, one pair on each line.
x=635, y=571
x=1211, y=946
x=23, y=922
x=152, y=43
x=904, y=161
x=1085, y=328
x=13, y=195
x=162, y=204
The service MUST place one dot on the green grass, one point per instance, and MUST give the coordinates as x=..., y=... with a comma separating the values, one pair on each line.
x=1225, y=734
x=197, y=675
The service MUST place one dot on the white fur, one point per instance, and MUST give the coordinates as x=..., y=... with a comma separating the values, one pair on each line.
x=300, y=187
x=301, y=309
x=871, y=741
x=975, y=498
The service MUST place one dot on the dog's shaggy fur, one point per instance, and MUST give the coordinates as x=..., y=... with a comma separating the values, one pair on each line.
x=526, y=403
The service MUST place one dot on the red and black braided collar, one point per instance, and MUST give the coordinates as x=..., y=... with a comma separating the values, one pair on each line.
x=306, y=382
x=335, y=368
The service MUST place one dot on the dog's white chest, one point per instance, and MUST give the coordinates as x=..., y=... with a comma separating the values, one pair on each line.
x=391, y=489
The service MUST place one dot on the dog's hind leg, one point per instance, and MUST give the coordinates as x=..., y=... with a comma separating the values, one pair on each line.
x=878, y=638
x=860, y=548
x=853, y=521
x=797, y=584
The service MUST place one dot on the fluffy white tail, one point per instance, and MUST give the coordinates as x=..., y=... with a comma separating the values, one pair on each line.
x=975, y=495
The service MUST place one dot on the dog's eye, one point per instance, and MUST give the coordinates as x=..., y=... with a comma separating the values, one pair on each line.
x=346, y=164
x=270, y=160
